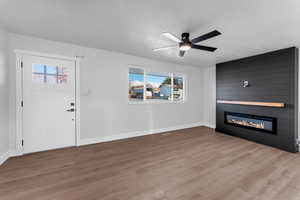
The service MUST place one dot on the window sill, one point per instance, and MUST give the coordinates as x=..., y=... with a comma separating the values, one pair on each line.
x=154, y=102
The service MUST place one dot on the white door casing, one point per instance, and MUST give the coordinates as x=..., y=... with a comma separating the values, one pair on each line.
x=48, y=117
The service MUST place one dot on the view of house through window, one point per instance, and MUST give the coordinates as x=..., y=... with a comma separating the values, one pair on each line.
x=155, y=86
x=177, y=88
x=136, y=84
x=158, y=86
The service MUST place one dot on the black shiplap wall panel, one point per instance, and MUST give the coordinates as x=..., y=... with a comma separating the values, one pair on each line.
x=273, y=77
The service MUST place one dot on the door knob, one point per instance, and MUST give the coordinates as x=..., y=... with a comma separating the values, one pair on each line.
x=71, y=110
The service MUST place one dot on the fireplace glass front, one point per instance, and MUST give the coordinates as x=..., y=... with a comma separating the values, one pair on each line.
x=260, y=123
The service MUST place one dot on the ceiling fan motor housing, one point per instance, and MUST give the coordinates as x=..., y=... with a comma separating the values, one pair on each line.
x=186, y=43
x=185, y=37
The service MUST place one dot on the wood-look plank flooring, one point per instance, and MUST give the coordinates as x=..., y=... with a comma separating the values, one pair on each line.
x=190, y=164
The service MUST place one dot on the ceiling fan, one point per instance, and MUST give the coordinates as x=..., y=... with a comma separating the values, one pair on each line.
x=185, y=43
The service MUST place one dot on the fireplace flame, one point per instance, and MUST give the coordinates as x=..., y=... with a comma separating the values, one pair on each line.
x=260, y=125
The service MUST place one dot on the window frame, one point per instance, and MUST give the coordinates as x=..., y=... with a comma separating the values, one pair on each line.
x=158, y=101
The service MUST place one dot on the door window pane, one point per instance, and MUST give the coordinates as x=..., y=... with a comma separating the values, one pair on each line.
x=51, y=70
x=61, y=79
x=50, y=79
x=38, y=68
x=38, y=78
x=158, y=86
x=48, y=74
x=136, y=84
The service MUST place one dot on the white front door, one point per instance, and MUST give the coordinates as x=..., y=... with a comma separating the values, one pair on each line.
x=48, y=103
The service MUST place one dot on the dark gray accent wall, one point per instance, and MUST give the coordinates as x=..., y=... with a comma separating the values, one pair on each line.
x=273, y=77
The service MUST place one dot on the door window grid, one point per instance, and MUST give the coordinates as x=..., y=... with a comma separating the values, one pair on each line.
x=48, y=74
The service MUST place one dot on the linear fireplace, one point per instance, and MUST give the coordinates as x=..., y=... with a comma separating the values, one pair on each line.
x=260, y=123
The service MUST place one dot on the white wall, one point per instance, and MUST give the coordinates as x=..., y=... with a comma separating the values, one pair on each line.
x=105, y=111
x=209, y=100
x=4, y=89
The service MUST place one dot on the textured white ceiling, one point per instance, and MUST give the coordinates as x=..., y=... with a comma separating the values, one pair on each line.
x=134, y=26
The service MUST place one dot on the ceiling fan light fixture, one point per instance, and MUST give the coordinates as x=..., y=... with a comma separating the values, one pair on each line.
x=185, y=46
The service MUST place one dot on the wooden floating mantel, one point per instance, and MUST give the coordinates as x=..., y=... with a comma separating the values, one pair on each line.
x=253, y=103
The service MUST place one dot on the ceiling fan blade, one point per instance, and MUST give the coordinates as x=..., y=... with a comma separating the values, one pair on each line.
x=206, y=36
x=165, y=48
x=172, y=37
x=205, y=48
x=181, y=53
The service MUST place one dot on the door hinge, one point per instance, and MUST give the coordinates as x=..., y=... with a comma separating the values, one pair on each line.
x=22, y=142
x=22, y=104
x=22, y=64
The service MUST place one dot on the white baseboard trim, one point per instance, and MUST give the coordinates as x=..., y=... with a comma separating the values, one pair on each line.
x=209, y=125
x=15, y=153
x=136, y=134
x=4, y=157
x=9, y=154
